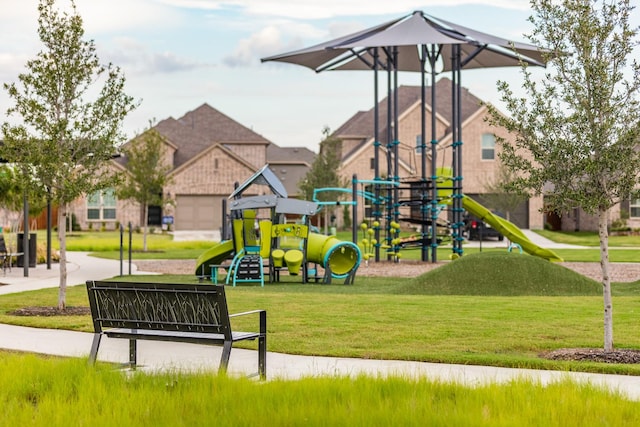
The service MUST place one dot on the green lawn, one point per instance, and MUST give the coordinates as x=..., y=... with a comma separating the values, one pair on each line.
x=589, y=238
x=491, y=308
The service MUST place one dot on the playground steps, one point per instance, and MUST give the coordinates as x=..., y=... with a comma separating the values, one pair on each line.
x=249, y=269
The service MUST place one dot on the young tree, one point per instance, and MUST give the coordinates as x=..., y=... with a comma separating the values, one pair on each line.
x=69, y=130
x=324, y=171
x=578, y=131
x=498, y=194
x=147, y=174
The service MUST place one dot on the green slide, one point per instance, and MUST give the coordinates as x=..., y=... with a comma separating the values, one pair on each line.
x=508, y=230
x=214, y=255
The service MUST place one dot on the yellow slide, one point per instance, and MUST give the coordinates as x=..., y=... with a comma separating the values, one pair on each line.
x=508, y=230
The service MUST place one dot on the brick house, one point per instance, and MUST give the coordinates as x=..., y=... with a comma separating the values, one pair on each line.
x=208, y=152
x=479, y=151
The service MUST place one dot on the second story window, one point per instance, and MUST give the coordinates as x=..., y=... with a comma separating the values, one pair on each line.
x=488, y=146
x=418, y=144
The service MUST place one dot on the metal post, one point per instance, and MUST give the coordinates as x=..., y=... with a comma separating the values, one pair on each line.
x=224, y=229
x=434, y=155
x=25, y=235
x=423, y=153
x=49, y=234
x=376, y=159
x=354, y=209
x=130, y=238
x=121, y=248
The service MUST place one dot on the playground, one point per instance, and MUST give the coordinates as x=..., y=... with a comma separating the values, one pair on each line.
x=272, y=234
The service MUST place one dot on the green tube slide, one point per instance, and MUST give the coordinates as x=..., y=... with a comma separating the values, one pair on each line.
x=339, y=256
x=508, y=230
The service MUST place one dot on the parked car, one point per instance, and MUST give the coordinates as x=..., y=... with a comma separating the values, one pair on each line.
x=476, y=229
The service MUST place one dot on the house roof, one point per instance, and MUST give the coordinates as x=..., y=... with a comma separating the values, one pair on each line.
x=276, y=154
x=202, y=128
x=361, y=125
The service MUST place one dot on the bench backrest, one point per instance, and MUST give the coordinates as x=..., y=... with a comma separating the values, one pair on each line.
x=162, y=306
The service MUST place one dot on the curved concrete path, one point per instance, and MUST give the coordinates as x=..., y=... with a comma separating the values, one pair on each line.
x=154, y=356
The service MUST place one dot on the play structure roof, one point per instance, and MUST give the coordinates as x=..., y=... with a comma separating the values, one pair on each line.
x=262, y=177
x=281, y=205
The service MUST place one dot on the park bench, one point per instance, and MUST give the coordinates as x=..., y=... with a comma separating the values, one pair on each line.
x=169, y=312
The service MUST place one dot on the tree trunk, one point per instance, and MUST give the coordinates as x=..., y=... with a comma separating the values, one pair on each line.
x=62, y=240
x=603, y=219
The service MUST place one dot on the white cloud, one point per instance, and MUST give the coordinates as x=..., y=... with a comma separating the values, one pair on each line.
x=134, y=56
x=314, y=9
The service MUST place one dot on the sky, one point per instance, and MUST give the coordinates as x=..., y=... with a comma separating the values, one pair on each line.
x=179, y=54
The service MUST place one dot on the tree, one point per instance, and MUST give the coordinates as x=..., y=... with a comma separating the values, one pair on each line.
x=498, y=194
x=147, y=174
x=324, y=171
x=67, y=136
x=577, y=132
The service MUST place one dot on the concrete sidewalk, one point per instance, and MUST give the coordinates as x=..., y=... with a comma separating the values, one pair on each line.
x=80, y=268
x=162, y=356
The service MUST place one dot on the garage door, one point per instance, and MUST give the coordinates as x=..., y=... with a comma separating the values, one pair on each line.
x=198, y=212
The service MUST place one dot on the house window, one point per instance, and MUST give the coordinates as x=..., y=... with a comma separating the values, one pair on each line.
x=418, y=144
x=488, y=146
x=101, y=205
x=372, y=163
x=634, y=208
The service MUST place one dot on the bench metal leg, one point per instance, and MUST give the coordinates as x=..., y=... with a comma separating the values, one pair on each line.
x=94, y=347
x=226, y=353
x=133, y=353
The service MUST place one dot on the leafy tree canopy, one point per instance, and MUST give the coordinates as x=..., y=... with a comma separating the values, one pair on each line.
x=324, y=171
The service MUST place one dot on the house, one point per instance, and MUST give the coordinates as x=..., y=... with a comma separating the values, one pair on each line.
x=207, y=153
x=480, y=162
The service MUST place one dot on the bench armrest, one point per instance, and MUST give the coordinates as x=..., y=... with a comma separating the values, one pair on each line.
x=263, y=320
x=246, y=312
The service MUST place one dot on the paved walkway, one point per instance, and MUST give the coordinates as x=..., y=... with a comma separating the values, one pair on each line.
x=154, y=356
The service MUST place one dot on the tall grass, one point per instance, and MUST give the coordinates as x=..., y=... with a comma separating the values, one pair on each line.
x=59, y=392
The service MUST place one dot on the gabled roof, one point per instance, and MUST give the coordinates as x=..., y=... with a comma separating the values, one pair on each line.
x=361, y=124
x=202, y=128
x=276, y=154
x=207, y=120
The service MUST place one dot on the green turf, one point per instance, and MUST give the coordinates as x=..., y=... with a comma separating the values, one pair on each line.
x=501, y=273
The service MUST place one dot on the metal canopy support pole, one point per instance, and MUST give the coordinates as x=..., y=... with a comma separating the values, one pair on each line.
x=396, y=143
x=454, y=154
x=376, y=153
x=423, y=153
x=457, y=179
x=434, y=145
x=388, y=200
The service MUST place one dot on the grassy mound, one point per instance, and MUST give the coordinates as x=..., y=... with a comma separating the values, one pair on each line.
x=502, y=273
